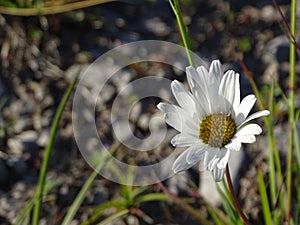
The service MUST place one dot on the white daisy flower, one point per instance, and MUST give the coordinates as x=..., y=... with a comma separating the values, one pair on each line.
x=211, y=119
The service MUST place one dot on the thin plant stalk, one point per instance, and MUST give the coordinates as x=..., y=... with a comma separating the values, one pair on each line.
x=79, y=198
x=47, y=154
x=287, y=27
x=264, y=199
x=291, y=109
x=277, y=189
x=271, y=140
x=234, y=198
x=115, y=216
x=24, y=214
x=54, y=9
x=176, y=9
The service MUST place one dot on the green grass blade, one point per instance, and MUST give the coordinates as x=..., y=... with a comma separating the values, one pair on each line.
x=271, y=155
x=25, y=213
x=82, y=194
x=98, y=212
x=79, y=199
x=296, y=143
x=47, y=154
x=264, y=199
x=139, y=190
x=153, y=197
x=127, y=193
x=227, y=203
x=292, y=83
x=297, y=153
x=114, y=217
x=176, y=9
x=218, y=216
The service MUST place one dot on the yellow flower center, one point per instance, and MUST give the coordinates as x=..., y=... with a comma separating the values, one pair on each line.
x=217, y=130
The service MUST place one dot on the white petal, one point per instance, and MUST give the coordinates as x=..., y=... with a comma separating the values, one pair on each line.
x=197, y=78
x=173, y=115
x=256, y=115
x=193, y=124
x=227, y=89
x=244, y=108
x=225, y=153
x=211, y=83
x=212, y=164
x=237, y=93
x=202, y=75
x=183, y=140
x=250, y=129
x=215, y=69
x=219, y=174
x=206, y=84
x=210, y=158
x=215, y=99
x=193, y=78
x=195, y=154
x=180, y=163
x=235, y=145
x=200, y=109
x=183, y=97
x=177, y=118
x=246, y=139
x=198, y=87
x=202, y=103
x=165, y=107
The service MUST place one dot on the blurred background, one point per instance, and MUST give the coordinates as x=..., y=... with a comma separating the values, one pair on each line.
x=41, y=53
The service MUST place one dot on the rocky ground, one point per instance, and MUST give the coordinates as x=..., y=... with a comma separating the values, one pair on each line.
x=40, y=54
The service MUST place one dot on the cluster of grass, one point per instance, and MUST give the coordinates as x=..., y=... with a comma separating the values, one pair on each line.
x=279, y=191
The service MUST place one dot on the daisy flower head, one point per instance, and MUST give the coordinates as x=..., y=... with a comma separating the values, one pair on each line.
x=211, y=119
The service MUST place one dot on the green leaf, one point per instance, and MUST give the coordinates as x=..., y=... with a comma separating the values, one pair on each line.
x=218, y=216
x=26, y=211
x=48, y=151
x=153, y=197
x=264, y=199
x=114, y=217
x=8, y=3
x=84, y=190
x=98, y=211
x=139, y=190
x=227, y=203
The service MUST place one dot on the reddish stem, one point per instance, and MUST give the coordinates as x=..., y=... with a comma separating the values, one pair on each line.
x=287, y=26
x=235, y=200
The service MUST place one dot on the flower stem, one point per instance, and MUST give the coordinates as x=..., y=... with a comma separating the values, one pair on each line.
x=176, y=9
x=234, y=198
